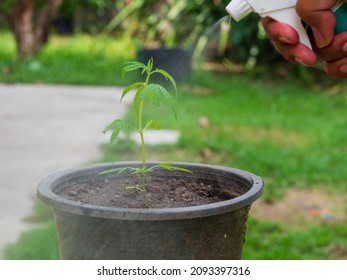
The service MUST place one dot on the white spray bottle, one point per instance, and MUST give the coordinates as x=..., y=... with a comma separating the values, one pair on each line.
x=283, y=11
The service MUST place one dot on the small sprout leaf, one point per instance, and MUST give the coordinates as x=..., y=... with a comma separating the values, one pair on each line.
x=168, y=77
x=134, y=188
x=153, y=93
x=130, y=88
x=116, y=127
x=152, y=124
x=156, y=94
x=167, y=97
x=115, y=170
x=150, y=65
x=132, y=66
x=170, y=167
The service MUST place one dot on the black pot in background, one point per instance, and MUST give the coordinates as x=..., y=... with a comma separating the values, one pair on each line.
x=64, y=26
x=176, y=61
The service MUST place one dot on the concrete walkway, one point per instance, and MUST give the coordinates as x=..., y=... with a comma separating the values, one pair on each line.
x=44, y=129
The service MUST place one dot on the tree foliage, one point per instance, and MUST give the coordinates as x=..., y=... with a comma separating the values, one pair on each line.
x=171, y=23
x=166, y=23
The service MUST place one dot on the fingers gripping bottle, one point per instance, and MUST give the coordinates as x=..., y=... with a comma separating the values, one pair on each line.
x=284, y=11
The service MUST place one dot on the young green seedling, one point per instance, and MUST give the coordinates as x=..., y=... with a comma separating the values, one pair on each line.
x=156, y=94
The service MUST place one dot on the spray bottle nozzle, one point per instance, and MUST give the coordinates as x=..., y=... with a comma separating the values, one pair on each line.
x=280, y=10
x=239, y=9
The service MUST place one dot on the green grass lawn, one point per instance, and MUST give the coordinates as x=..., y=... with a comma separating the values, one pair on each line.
x=293, y=134
x=80, y=59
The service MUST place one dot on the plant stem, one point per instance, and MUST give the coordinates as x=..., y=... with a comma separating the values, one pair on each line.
x=143, y=148
x=141, y=132
x=143, y=154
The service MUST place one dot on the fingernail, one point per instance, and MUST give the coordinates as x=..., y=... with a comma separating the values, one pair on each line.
x=299, y=60
x=343, y=68
x=321, y=41
x=344, y=47
x=283, y=40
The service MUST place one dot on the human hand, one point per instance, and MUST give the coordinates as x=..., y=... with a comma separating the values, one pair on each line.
x=330, y=48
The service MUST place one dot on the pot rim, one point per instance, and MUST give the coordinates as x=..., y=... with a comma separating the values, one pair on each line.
x=45, y=192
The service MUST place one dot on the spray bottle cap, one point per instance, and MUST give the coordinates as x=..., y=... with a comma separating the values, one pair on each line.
x=239, y=9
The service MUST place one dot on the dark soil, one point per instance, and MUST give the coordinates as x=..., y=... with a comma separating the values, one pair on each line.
x=163, y=192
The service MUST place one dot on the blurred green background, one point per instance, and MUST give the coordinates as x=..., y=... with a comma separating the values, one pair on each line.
x=242, y=106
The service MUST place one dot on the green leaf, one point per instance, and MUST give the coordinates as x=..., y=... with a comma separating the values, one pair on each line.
x=113, y=170
x=132, y=66
x=153, y=93
x=130, y=88
x=167, y=97
x=156, y=94
x=150, y=65
x=168, y=77
x=134, y=188
x=152, y=124
x=141, y=170
x=170, y=167
x=116, y=126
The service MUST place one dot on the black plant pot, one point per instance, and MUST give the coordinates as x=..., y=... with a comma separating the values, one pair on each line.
x=212, y=231
x=176, y=61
